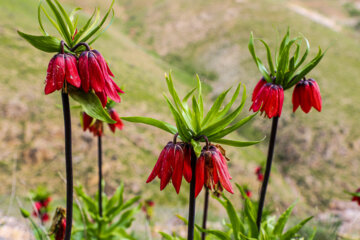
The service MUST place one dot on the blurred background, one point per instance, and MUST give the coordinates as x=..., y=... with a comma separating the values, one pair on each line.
x=317, y=154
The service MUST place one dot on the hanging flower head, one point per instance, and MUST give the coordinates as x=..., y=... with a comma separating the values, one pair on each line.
x=41, y=198
x=356, y=196
x=259, y=173
x=58, y=225
x=268, y=94
x=193, y=127
x=212, y=170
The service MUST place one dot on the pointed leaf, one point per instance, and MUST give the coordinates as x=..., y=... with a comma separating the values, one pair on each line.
x=292, y=231
x=152, y=122
x=43, y=43
x=280, y=224
x=235, y=143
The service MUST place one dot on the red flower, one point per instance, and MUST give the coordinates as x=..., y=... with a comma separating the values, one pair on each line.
x=356, y=198
x=268, y=97
x=259, y=174
x=40, y=209
x=62, y=66
x=248, y=193
x=257, y=88
x=187, y=172
x=211, y=170
x=119, y=124
x=46, y=202
x=60, y=231
x=95, y=74
x=306, y=95
x=170, y=165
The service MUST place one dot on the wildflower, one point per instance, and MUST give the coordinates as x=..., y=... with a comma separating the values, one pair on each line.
x=268, y=98
x=170, y=165
x=357, y=198
x=95, y=74
x=259, y=173
x=306, y=95
x=40, y=209
x=119, y=124
x=58, y=225
x=63, y=66
x=257, y=88
x=212, y=171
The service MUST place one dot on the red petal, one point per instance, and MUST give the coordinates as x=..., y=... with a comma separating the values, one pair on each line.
x=84, y=71
x=178, y=168
x=59, y=71
x=97, y=80
x=157, y=166
x=102, y=97
x=115, y=117
x=72, y=75
x=295, y=97
x=223, y=173
x=187, y=164
x=305, y=98
x=257, y=88
x=200, y=168
x=50, y=81
x=273, y=103
x=316, y=97
x=261, y=99
x=167, y=169
x=86, y=121
x=111, y=91
x=281, y=100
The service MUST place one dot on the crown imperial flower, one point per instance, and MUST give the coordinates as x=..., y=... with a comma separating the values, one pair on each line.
x=306, y=95
x=95, y=74
x=63, y=66
x=212, y=170
x=268, y=98
x=119, y=124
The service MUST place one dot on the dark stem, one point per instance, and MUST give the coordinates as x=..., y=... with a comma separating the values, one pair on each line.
x=81, y=44
x=100, y=174
x=191, y=220
x=69, y=171
x=205, y=214
x=267, y=170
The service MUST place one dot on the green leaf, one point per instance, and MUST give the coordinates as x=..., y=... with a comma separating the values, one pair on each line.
x=153, y=122
x=91, y=105
x=85, y=29
x=166, y=236
x=188, y=95
x=233, y=128
x=73, y=14
x=196, y=147
x=200, y=98
x=235, y=143
x=43, y=43
x=269, y=58
x=67, y=18
x=292, y=231
x=104, y=30
x=64, y=29
x=52, y=21
x=280, y=224
x=215, y=108
x=89, y=35
x=197, y=115
x=39, y=19
x=229, y=105
x=24, y=213
x=234, y=219
x=259, y=64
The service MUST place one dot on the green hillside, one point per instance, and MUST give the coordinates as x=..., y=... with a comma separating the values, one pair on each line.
x=317, y=155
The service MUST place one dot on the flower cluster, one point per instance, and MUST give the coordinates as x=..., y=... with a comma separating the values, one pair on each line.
x=90, y=72
x=284, y=72
x=95, y=126
x=357, y=198
x=173, y=163
x=41, y=209
x=259, y=173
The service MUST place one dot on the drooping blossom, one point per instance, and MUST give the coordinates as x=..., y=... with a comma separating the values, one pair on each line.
x=169, y=166
x=306, y=95
x=41, y=209
x=357, y=198
x=58, y=225
x=63, y=66
x=114, y=115
x=95, y=74
x=212, y=170
x=259, y=173
x=268, y=98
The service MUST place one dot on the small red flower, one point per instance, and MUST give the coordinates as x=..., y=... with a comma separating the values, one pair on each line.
x=119, y=124
x=40, y=208
x=257, y=88
x=248, y=193
x=356, y=198
x=306, y=95
x=269, y=98
x=211, y=170
x=259, y=173
x=62, y=66
x=46, y=202
x=170, y=165
x=95, y=74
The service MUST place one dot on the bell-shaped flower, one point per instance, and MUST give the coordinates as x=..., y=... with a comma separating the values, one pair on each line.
x=62, y=66
x=306, y=95
x=119, y=124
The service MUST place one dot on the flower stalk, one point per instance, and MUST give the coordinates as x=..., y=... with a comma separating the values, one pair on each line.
x=205, y=214
x=68, y=160
x=100, y=174
x=192, y=198
x=267, y=170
